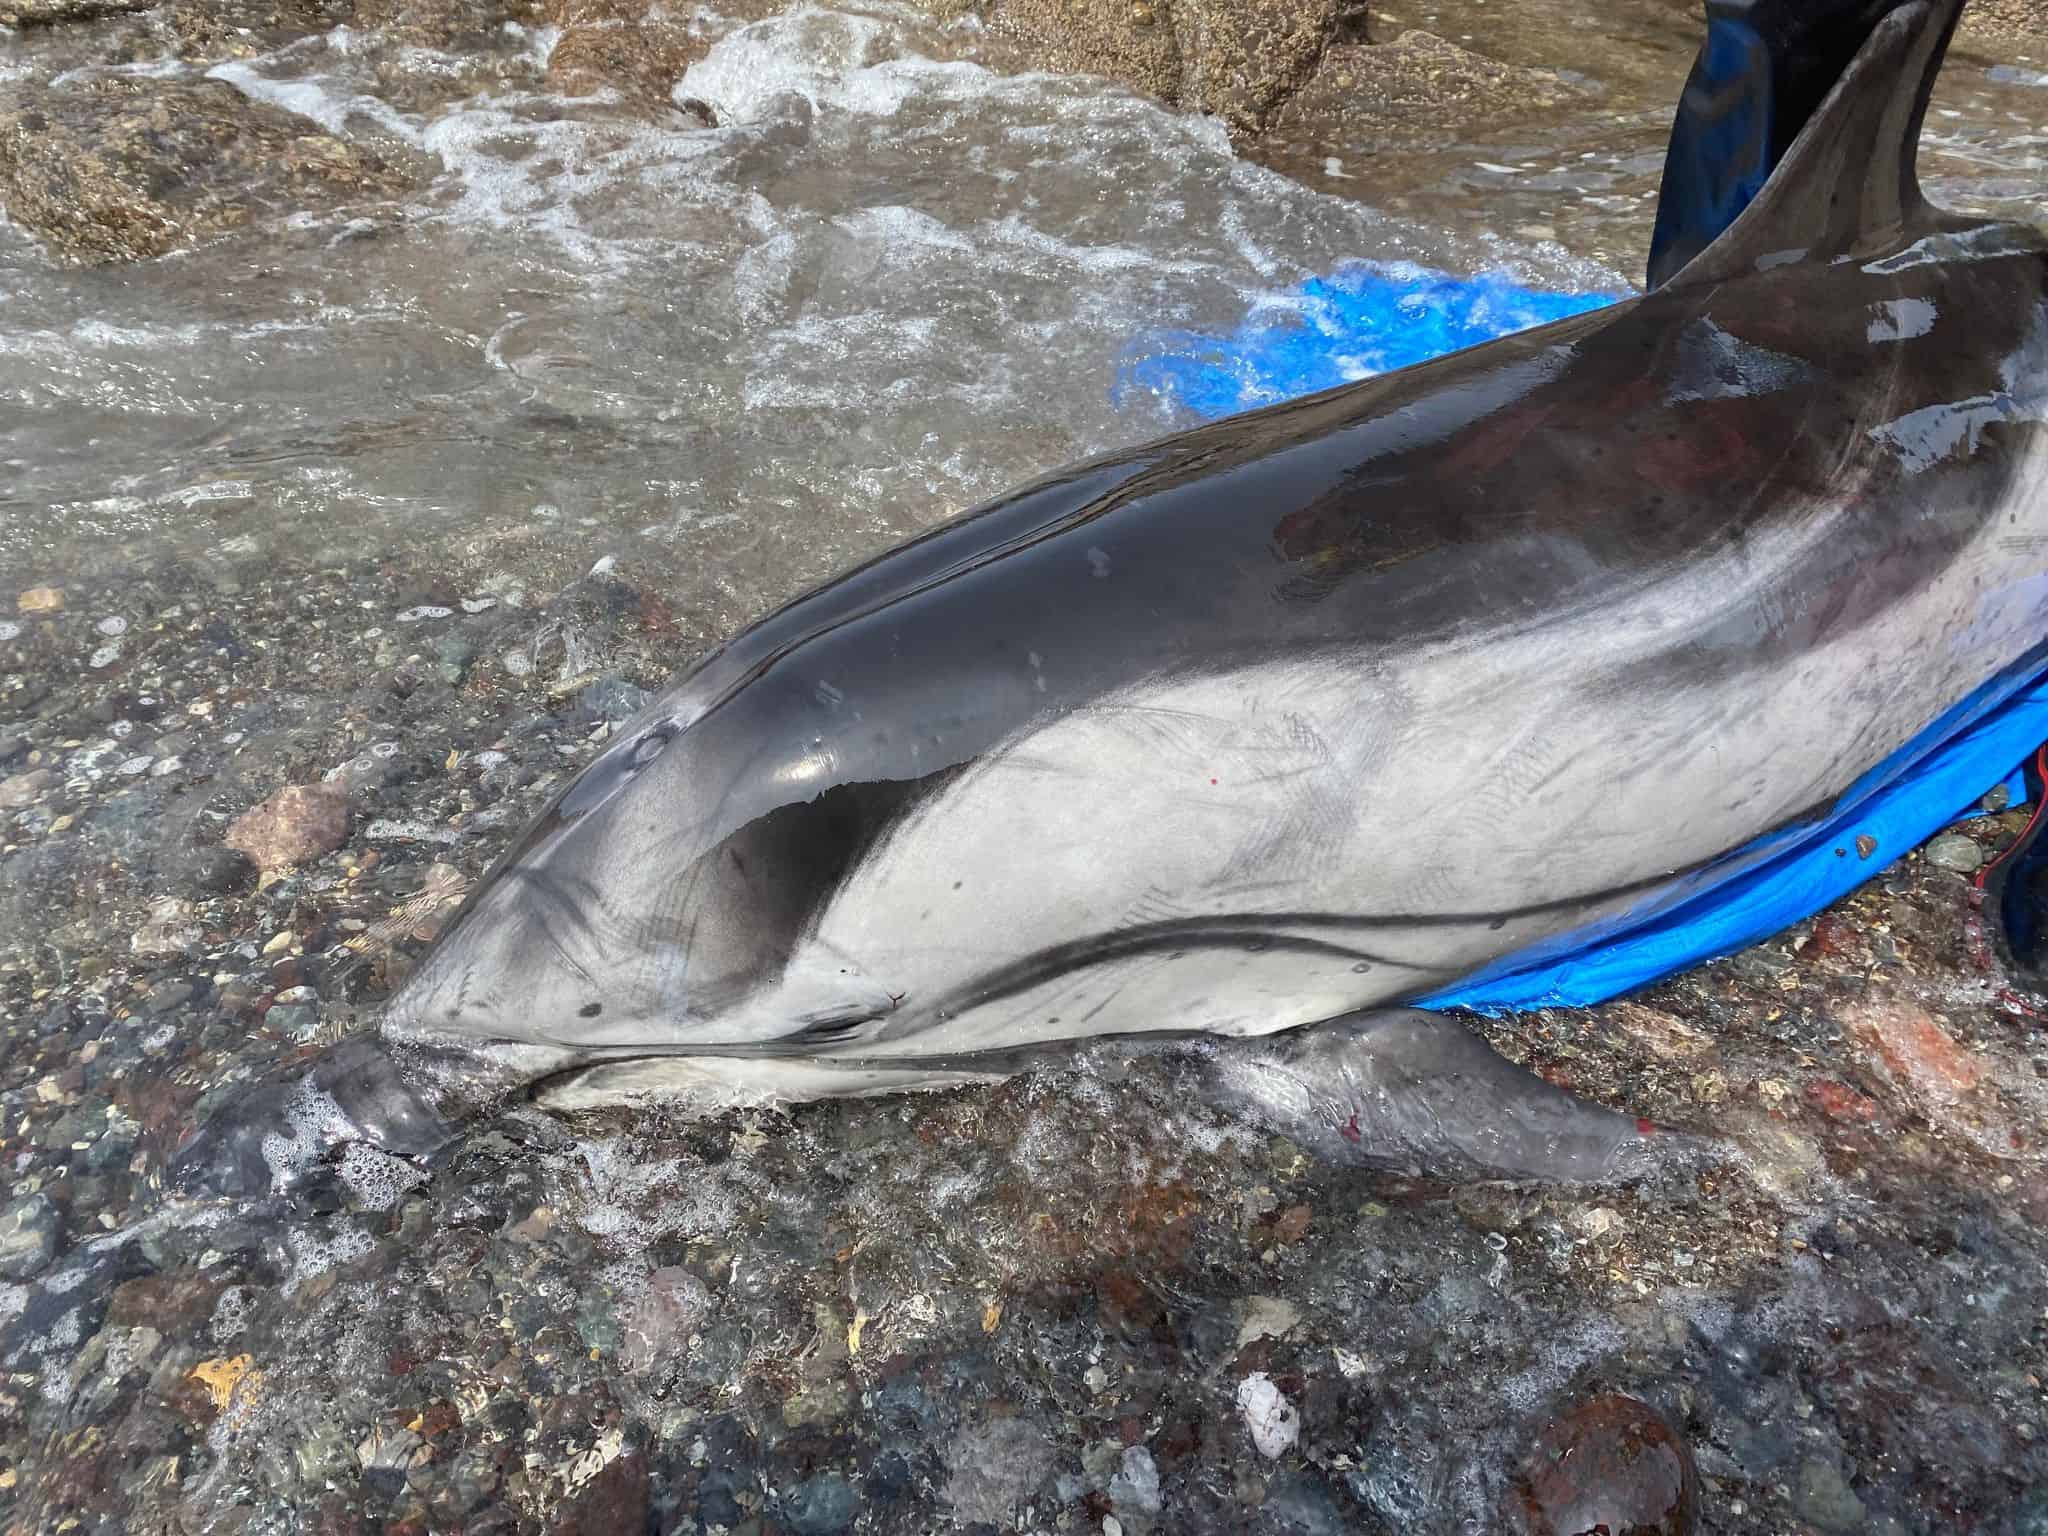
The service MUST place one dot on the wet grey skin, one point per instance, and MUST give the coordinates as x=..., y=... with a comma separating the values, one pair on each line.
x=1164, y=742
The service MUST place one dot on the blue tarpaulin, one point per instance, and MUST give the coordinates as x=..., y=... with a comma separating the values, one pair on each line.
x=1368, y=319
x=1365, y=319
x=1760, y=890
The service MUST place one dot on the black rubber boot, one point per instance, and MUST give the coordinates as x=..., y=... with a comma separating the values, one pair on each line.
x=2015, y=888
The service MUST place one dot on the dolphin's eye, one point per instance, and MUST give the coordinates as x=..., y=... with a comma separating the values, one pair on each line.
x=648, y=748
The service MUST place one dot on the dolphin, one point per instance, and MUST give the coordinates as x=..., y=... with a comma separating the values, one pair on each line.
x=1162, y=743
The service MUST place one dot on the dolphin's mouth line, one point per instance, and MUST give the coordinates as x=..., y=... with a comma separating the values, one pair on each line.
x=997, y=1061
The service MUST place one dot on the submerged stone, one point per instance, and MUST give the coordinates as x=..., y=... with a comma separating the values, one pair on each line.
x=1611, y=1463
x=128, y=169
x=299, y=822
x=821, y=1505
x=1954, y=851
x=28, y=1236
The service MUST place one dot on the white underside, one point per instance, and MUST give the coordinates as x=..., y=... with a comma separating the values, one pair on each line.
x=1525, y=765
x=1513, y=772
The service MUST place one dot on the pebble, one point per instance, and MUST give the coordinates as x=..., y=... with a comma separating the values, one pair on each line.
x=1954, y=851
x=28, y=1236
x=25, y=788
x=295, y=1021
x=424, y=611
x=135, y=767
x=821, y=1505
x=167, y=995
x=1136, y=1483
x=659, y=1328
x=1273, y=1423
x=1267, y=1317
x=112, y=626
x=610, y=699
x=216, y=870
x=1610, y=1462
x=299, y=822
x=172, y=929
x=1824, y=1496
x=9, y=630
x=408, y=830
x=1302, y=1505
x=41, y=600
x=105, y=656
x=12, y=747
x=455, y=651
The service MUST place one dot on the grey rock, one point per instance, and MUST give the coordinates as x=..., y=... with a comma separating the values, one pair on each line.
x=43, y=13
x=996, y=1467
x=126, y=169
x=1135, y=1484
x=12, y=747
x=28, y=1236
x=659, y=1327
x=323, y=1454
x=1300, y=1501
x=1954, y=851
x=115, y=1146
x=217, y=870
x=610, y=699
x=168, y=996
x=24, y=789
x=455, y=651
x=293, y=1020
x=1824, y=1496
x=821, y=1505
x=82, y=1124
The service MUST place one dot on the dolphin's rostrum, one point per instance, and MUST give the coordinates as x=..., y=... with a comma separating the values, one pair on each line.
x=1158, y=743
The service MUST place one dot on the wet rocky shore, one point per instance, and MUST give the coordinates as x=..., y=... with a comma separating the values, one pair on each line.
x=290, y=648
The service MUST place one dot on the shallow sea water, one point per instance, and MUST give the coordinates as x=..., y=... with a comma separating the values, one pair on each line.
x=405, y=500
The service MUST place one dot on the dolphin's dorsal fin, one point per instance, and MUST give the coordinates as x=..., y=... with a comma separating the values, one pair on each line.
x=1848, y=183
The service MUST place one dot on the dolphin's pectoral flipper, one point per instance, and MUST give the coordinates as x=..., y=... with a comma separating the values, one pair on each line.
x=1412, y=1090
x=283, y=1127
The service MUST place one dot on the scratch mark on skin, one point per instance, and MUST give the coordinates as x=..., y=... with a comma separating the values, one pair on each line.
x=568, y=959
